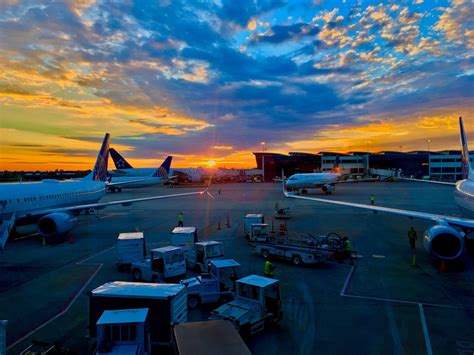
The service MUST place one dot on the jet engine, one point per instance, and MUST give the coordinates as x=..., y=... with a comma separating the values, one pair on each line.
x=56, y=223
x=444, y=242
x=328, y=188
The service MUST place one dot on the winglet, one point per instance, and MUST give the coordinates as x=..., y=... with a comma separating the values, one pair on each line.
x=119, y=161
x=164, y=169
x=465, y=164
x=100, y=168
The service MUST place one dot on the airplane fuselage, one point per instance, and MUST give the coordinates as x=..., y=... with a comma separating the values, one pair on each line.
x=148, y=181
x=24, y=199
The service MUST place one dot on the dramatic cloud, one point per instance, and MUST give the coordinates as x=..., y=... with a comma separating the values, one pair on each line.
x=211, y=79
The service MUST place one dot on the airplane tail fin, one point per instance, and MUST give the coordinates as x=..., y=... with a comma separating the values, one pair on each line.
x=337, y=162
x=465, y=164
x=119, y=161
x=164, y=170
x=100, y=168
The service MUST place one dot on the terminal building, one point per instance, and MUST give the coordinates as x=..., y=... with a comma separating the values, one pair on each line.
x=442, y=165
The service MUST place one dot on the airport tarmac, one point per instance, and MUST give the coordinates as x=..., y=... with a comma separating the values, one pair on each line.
x=382, y=305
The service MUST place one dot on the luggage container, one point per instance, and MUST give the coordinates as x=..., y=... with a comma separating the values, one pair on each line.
x=130, y=248
x=167, y=304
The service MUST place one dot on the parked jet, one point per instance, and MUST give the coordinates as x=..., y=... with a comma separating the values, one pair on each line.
x=443, y=240
x=53, y=205
x=323, y=181
x=124, y=168
x=157, y=177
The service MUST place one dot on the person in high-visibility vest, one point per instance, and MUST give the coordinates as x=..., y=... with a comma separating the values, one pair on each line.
x=412, y=237
x=268, y=270
x=180, y=219
x=372, y=199
x=347, y=247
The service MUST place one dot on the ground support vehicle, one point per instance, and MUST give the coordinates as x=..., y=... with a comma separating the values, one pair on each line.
x=216, y=286
x=202, y=254
x=301, y=248
x=167, y=304
x=184, y=237
x=256, y=305
x=123, y=331
x=259, y=232
x=163, y=264
x=297, y=254
x=130, y=248
x=208, y=337
x=249, y=219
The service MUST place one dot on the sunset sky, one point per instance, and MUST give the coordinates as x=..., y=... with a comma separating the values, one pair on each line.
x=211, y=79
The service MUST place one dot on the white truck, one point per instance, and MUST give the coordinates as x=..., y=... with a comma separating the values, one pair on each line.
x=259, y=232
x=249, y=219
x=130, y=248
x=163, y=264
x=184, y=237
x=166, y=303
x=123, y=331
x=216, y=286
x=257, y=303
x=297, y=253
x=202, y=254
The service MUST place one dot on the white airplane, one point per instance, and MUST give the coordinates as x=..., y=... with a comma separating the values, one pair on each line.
x=157, y=177
x=323, y=181
x=445, y=239
x=53, y=205
x=124, y=168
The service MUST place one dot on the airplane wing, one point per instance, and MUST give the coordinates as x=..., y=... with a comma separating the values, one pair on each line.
x=102, y=205
x=427, y=181
x=455, y=221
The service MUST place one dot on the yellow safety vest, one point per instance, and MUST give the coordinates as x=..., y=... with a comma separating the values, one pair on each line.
x=348, y=245
x=180, y=218
x=268, y=268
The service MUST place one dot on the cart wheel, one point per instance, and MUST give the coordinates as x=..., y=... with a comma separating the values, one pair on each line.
x=193, y=301
x=137, y=274
x=265, y=253
x=296, y=259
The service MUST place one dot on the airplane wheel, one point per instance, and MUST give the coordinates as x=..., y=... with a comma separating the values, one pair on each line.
x=137, y=274
x=296, y=259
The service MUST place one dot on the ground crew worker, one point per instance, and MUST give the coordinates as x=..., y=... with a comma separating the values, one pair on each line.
x=347, y=246
x=412, y=237
x=180, y=219
x=268, y=270
x=372, y=199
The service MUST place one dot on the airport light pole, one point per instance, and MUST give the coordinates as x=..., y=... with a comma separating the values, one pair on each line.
x=428, y=141
x=263, y=160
